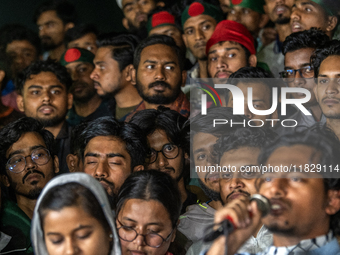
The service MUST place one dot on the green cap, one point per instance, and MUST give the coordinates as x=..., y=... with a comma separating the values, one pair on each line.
x=255, y=5
x=76, y=55
x=327, y=6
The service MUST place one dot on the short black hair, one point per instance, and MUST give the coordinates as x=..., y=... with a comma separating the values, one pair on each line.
x=65, y=10
x=124, y=47
x=126, y=132
x=312, y=38
x=152, y=185
x=43, y=66
x=331, y=48
x=12, y=132
x=18, y=32
x=158, y=39
x=79, y=31
x=75, y=147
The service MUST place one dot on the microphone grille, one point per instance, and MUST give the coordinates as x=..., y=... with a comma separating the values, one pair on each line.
x=263, y=203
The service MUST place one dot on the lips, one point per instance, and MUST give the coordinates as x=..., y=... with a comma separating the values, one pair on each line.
x=159, y=88
x=141, y=18
x=46, y=109
x=137, y=253
x=33, y=177
x=237, y=195
x=330, y=101
x=223, y=74
x=277, y=207
x=296, y=27
x=280, y=9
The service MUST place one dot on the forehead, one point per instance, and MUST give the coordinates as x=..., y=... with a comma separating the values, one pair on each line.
x=19, y=45
x=226, y=45
x=47, y=16
x=203, y=140
x=26, y=141
x=163, y=29
x=90, y=37
x=76, y=64
x=158, y=52
x=198, y=20
x=43, y=79
x=243, y=155
x=298, y=57
x=106, y=144
x=104, y=54
x=259, y=90
x=157, y=139
x=331, y=65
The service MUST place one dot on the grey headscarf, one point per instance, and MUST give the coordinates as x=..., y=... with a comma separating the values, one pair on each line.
x=98, y=191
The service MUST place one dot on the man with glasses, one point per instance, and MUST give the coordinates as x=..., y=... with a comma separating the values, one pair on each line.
x=298, y=73
x=27, y=162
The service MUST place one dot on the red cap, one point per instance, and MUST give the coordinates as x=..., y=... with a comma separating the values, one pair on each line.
x=228, y=30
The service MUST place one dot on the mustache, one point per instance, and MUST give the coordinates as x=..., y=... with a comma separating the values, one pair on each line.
x=32, y=172
x=111, y=184
x=332, y=98
x=46, y=37
x=199, y=44
x=238, y=191
x=159, y=83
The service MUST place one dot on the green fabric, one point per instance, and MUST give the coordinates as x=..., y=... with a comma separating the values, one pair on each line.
x=325, y=6
x=13, y=216
x=71, y=56
x=121, y=112
x=209, y=9
x=255, y=5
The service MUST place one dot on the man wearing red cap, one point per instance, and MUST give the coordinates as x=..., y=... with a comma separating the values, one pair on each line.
x=230, y=48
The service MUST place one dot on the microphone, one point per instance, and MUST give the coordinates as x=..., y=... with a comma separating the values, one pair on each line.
x=228, y=225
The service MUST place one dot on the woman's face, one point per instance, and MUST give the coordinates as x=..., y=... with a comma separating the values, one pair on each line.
x=73, y=231
x=145, y=217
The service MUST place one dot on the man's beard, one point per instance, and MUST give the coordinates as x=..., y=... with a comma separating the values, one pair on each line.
x=158, y=98
x=274, y=228
x=52, y=122
x=112, y=196
x=209, y=192
x=85, y=98
x=49, y=45
x=141, y=32
x=282, y=20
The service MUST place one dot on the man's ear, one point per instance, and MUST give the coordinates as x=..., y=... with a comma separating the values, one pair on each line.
x=2, y=76
x=263, y=20
x=133, y=76
x=332, y=21
x=125, y=23
x=20, y=103
x=72, y=162
x=69, y=101
x=5, y=181
x=138, y=168
x=127, y=72
x=184, y=77
x=69, y=25
x=56, y=164
x=333, y=204
x=252, y=60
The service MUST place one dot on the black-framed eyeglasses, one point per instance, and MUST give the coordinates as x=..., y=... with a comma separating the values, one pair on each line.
x=151, y=239
x=306, y=72
x=169, y=150
x=17, y=164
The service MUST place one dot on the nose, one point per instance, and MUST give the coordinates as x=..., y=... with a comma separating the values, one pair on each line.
x=222, y=63
x=276, y=188
x=94, y=75
x=236, y=183
x=70, y=247
x=299, y=80
x=159, y=74
x=161, y=160
x=30, y=164
x=199, y=35
x=74, y=76
x=46, y=96
x=235, y=16
x=102, y=170
x=333, y=87
x=295, y=15
x=247, y=112
x=140, y=241
x=42, y=31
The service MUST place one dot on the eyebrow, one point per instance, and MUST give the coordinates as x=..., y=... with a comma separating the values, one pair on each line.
x=21, y=151
x=200, y=24
x=325, y=75
x=78, y=228
x=99, y=63
x=109, y=155
x=127, y=4
x=199, y=150
x=226, y=49
x=155, y=62
x=151, y=223
x=50, y=87
x=302, y=65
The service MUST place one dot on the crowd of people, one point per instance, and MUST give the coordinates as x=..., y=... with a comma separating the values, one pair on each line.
x=103, y=152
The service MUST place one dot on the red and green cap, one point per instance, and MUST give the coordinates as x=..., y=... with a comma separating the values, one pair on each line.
x=76, y=55
x=197, y=8
x=255, y=5
x=160, y=19
x=228, y=30
x=327, y=6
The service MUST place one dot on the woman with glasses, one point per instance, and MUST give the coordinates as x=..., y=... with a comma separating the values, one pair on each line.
x=148, y=209
x=73, y=216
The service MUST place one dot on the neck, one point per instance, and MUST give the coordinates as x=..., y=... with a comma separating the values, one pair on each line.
x=283, y=31
x=26, y=205
x=128, y=96
x=215, y=204
x=182, y=190
x=334, y=124
x=85, y=109
x=55, y=129
x=203, y=64
x=316, y=112
x=57, y=52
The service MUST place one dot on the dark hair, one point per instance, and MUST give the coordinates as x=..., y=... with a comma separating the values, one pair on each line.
x=312, y=38
x=72, y=194
x=158, y=39
x=126, y=132
x=43, y=66
x=330, y=48
x=17, y=32
x=324, y=142
x=124, y=47
x=12, y=132
x=244, y=137
x=75, y=147
x=4, y=66
x=79, y=31
x=152, y=185
x=64, y=10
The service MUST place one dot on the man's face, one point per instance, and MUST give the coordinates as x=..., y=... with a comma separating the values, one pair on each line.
x=107, y=160
x=300, y=205
x=51, y=30
x=159, y=77
x=279, y=10
x=238, y=184
x=106, y=74
x=22, y=53
x=83, y=87
x=307, y=14
x=197, y=31
x=301, y=59
x=136, y=11
x=247, y=17
x=171, y=31
x=45, y=98
x=33, y=178
x=87, y=42
x=225, y=58
x=328, y=87
x=224, y=4
x=261, y=98
x=158, y=140
x=202, y=147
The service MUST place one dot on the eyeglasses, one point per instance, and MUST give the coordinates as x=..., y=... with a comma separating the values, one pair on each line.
x=169, y=150
x=17, y=164
x=289, y=74
x=129, y=234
